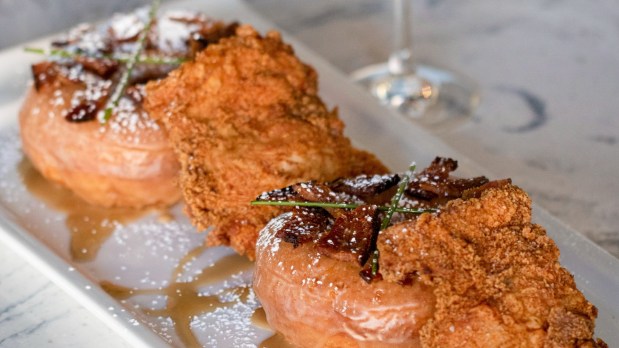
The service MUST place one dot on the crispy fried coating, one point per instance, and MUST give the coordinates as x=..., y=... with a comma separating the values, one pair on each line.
x=497, y=278
x=245, y=118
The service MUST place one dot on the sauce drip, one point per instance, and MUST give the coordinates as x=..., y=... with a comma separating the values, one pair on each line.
x=184, y=300
x=259, y=319
x=277, y=340
x=90, y=226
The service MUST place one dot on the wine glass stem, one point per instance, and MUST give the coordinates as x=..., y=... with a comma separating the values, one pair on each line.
x=401, y=59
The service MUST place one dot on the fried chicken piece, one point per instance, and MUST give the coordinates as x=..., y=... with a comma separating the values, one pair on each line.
x=497, y=278
x=245, y=118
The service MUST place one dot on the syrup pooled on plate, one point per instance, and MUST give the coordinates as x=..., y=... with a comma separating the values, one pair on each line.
x=185, y=299
x=90, y=226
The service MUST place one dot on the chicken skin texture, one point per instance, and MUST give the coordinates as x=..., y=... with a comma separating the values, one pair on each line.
x=245, y=118
x=496, y=276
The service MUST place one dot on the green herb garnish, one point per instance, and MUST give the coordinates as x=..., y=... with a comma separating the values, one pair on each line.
x=339, y=206
x=395, y=200
x=121, y=59
x=393, y=207
x=124, y=79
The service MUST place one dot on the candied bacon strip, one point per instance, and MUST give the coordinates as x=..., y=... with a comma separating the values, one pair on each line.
x=440, y=167
x=285, y=194
x=47, y=72
x=352, y=236
x=314, y=192
x=435, y=182
x=361, y=188
x=448, y=188
x=101, y=67
x=85, y=111
x=88, y=108
x=304, y=225
x=364, y=186
x=201, y=39
x=44, y=73
x=60, y=42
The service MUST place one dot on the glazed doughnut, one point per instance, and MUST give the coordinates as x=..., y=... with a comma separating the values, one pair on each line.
x=125, y=161
x=318, y=301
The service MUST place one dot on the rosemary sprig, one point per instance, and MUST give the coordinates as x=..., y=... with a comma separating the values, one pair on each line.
x=393, y=207
x=121, y=59
x=395, y=200
x=124, y=79
x=338, y=205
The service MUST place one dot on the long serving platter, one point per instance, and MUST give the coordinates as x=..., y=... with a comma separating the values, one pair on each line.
x=126, y=271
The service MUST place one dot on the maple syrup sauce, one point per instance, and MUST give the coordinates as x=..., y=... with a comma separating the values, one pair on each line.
x=90, y=226
x=184, y=300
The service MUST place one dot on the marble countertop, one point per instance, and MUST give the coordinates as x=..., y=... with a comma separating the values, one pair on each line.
x=548, y=72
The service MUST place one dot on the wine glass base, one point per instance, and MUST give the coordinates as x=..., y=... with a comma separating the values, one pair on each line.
x=436, y=98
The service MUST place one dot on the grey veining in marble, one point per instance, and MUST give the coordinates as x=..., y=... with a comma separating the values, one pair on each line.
x=36, y=313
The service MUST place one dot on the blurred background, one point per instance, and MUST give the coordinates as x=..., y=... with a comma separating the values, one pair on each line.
x=21, y=20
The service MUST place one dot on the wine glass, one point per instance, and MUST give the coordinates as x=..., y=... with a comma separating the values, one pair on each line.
x=437, y=98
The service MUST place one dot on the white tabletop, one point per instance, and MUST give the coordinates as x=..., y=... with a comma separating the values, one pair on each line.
x=549, y=77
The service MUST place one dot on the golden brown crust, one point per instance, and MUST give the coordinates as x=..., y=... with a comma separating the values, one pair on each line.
x=496, y=275
x=245, y=118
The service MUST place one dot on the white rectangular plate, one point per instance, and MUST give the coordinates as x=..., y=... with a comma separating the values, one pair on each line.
x=142, y=253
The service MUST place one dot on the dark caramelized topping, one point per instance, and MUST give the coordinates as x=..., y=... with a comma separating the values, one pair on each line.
x=353, y=235
x=304, y=225
x=101, y=67
x=365, y=185
x=60, y=42
x=95, y=55
x=86, y=110
x=287, y=193
x=201, y=39
x=350, y=234
x=314, y=192
x=435, y=184
x=44, y=73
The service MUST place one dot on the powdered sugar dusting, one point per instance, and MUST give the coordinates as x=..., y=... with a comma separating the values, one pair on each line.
x=97, y=76
x=130, y=120
x=173, y=34
x=128, y=26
